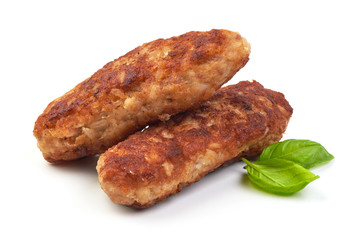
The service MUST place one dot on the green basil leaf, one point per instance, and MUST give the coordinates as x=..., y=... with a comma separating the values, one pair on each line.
x=304, y=152
x=279, y=176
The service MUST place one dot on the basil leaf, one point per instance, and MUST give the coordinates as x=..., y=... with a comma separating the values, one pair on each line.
x=304, y=152
x=279, y=176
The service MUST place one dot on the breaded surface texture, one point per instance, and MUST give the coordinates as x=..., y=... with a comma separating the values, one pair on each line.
x=149, y=166
x=151, y=82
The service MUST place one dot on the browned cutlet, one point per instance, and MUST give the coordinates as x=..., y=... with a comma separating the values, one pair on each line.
x=151, y=82
x=149, y=166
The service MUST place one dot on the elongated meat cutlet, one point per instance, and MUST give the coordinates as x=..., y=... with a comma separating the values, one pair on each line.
x=149, y=166
x=151, y=82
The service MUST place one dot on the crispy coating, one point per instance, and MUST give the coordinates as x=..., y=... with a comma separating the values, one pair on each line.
x=149, y=166
x=151, y=82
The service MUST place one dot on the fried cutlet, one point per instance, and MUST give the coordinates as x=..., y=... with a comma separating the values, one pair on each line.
x=150, y=83
x=149, y=166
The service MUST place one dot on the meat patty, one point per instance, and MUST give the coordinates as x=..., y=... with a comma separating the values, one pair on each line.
x=151, y=82
x=149, y=166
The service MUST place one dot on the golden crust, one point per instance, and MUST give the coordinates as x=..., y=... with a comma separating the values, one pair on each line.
x=151, y=82
x=149, y=166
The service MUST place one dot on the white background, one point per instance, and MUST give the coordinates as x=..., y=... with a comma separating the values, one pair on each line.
x=308, y=50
